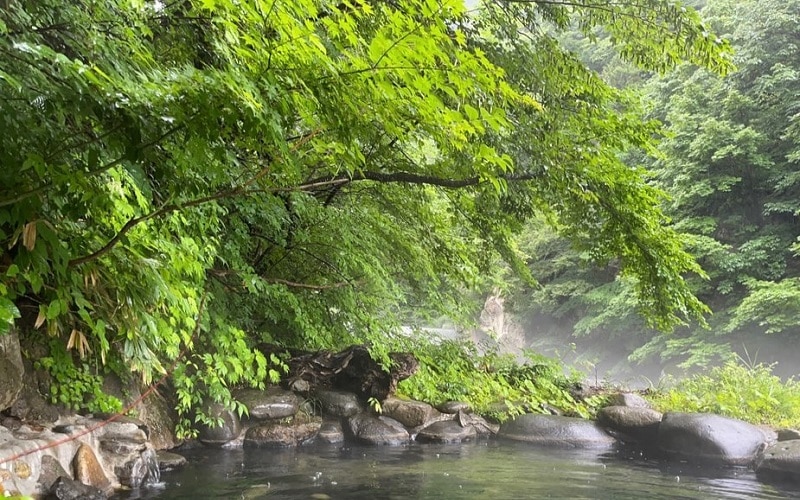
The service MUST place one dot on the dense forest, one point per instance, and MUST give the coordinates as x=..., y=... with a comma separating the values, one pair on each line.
x=729, y=165
x=181, y=181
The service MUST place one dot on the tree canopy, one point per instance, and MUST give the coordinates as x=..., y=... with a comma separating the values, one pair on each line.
x=729, y=164
x=212, y=174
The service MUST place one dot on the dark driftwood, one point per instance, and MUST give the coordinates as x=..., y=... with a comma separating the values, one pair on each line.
x=352, y=370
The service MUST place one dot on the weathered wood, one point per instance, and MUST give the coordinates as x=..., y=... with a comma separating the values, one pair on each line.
x=352, y=370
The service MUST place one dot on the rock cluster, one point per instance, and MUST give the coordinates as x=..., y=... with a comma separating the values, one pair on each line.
x=313, y=409
x=335, y=416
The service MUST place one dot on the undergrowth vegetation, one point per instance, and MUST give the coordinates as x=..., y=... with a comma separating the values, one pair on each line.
x=496, y=385
x=739, y=389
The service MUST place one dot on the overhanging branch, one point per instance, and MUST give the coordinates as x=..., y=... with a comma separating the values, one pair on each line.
x=408, y=178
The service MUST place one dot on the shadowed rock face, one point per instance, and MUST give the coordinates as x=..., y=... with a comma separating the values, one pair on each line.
x=369, y=429
x=11, y=369
x=555, y=430
x=446, y=431
x=229, y=430
x=632, y=423
x=702, y=437
x=781, y=460
x=410, y=413
x=67, y=489
x=352, y=370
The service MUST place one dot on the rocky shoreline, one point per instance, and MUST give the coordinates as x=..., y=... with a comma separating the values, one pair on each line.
x=104, y=457
x=46, y=453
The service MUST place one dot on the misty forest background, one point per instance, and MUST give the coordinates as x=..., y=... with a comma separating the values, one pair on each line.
x=183, y=181
x=730, y=164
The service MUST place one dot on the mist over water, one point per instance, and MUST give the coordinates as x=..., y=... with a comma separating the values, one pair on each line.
x=603, y=360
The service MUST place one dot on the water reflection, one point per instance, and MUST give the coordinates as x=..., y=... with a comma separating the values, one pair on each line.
x=490, y=470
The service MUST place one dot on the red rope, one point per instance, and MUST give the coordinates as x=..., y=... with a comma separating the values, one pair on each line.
x=116, y=416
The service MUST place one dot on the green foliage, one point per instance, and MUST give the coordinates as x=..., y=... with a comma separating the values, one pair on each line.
x=75, y=386
x=747, y=391
x=202, y=176
x=727, y=162
x=492, y=384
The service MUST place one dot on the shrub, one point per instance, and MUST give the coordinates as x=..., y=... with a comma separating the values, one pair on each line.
x=747, y=391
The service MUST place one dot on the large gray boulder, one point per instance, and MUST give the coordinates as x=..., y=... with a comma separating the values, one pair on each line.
x=781, y=460
x=160, y=418
x=274, y=403
x=446, y=431
x=555, y=430
x=338, y=403
x=370, y=429
x=704, y=437
x=280, y=435
x=632, y=423
x=410, y=413
x=12, y=373
x=218, y=436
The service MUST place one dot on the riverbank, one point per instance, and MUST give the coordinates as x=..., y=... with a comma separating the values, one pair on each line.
x=44, y=450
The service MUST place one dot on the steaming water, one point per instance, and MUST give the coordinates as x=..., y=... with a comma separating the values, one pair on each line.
x=492, y=470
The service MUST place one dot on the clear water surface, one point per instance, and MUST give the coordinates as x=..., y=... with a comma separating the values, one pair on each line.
x=490, y=470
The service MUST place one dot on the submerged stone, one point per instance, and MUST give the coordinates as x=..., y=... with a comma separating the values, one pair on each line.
x=168, y=461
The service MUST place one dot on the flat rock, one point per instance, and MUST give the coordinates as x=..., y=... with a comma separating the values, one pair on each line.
x=453, y=407
x=788, y=434
x=169, y=461
x=277, y=435
x=703, y=437
x=780, y=460
x=410, y=413
x=446, y=431
x=632, y=422
x=629, y=399
x=338, y=403
x=556, y=430
x=274, y=403
x=369, y=429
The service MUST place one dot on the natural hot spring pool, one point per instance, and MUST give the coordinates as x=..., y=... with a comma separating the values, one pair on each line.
x=492, y=470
